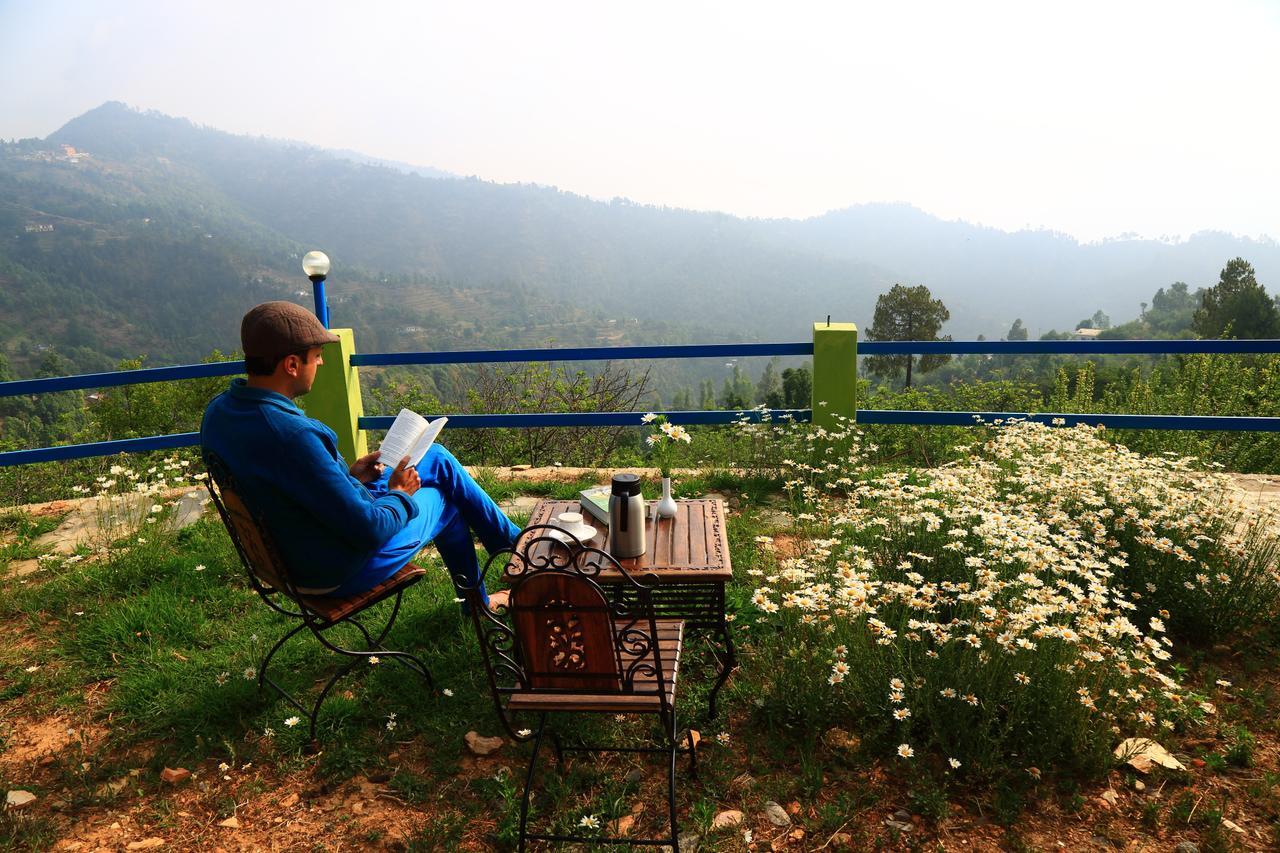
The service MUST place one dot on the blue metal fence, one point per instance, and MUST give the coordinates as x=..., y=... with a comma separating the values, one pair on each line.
x=584, y=419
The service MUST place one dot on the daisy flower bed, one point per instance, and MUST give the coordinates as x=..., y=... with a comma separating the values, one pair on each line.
x=1014, y=611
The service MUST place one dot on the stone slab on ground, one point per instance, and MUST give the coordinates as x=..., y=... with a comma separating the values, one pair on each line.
x=519, y=505
x=560, y=472
x=22, y=568
x=89, y=516
x=1261, y=493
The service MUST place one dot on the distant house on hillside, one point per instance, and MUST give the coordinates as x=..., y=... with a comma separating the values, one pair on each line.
x=38, y=228
x=1085, y=334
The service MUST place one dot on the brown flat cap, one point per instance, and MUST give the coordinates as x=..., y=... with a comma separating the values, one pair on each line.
x=274, y=329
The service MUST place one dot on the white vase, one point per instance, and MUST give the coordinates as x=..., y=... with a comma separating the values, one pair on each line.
x=667, y=506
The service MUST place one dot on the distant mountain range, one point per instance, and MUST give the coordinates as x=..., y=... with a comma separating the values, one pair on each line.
x=164, y=232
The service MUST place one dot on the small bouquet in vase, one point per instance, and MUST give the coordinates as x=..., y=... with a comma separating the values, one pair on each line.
x=660, y=444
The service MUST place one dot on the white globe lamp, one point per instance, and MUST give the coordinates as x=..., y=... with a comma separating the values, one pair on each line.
x=316, y=265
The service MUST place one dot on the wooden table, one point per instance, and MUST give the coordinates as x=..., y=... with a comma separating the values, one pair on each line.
x=687, y=555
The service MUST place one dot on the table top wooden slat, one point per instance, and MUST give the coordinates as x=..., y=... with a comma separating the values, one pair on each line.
x=697, y=544
x=692, y=546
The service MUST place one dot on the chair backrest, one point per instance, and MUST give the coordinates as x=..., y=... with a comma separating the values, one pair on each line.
x=560, y=632
x=564, y=630
x=253, y=542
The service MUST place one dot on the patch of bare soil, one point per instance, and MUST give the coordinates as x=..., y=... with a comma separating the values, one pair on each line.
x=262, y=808
x=787, y=547
x=211, y=813
x=38, y=741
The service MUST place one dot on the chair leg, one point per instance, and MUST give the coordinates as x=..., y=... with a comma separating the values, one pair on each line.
x=369, y=642
x=693, y=755
x=324, y=694
x=559, y=748
x=266, y=661
x=414, y=663
x=528, y=781
x=671, y=784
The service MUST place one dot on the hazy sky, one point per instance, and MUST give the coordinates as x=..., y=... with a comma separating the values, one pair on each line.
x=1091, y=118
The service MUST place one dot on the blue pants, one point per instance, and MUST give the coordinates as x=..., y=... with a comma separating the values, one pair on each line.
x=451, y=507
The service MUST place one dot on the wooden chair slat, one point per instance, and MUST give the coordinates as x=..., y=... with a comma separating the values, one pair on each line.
x=260, y=555
x=336, y=609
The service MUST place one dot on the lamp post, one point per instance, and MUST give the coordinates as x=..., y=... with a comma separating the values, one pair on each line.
x=316, y=265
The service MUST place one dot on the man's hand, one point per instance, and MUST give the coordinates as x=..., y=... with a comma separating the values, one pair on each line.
x=367, y=468
x=404, y=479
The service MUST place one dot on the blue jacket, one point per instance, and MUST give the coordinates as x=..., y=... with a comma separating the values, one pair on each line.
x=325, y=522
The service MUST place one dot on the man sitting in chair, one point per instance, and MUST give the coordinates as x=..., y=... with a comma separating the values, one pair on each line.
x=341, y=530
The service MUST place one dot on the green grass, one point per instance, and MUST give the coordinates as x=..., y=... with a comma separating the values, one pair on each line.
x=175, y=643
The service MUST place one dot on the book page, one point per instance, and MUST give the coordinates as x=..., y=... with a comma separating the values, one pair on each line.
x=402, y=438
x=426, y=439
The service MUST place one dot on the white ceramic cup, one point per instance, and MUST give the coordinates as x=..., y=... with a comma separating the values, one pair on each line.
x=569, y=520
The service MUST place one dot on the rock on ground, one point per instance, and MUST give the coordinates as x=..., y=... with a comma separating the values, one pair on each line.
x=18, y=799
x=481, y=745
x=174, y=775
x=1141, y=753
x=776, y=814
x=687, y=841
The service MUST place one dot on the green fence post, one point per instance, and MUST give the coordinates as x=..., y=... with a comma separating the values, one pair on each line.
x=335, y=396
x=835, y=373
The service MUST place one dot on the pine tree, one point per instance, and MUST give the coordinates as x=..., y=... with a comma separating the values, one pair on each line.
x=907, y=314
x=769, y=388
x=797, y=388
x=1237, y=305
x=707, y=395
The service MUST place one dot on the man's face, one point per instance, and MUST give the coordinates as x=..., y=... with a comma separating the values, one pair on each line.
x=302, y=373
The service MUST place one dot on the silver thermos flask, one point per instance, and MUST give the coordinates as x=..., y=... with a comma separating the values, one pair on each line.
x=626, y=517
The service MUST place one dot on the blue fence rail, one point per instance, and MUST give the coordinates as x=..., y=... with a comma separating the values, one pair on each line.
x=602, y=419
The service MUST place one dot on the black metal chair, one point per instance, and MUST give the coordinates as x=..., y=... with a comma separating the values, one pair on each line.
x=271, y=579
x=561, y=645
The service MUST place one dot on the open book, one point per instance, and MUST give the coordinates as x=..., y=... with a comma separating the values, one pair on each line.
x=410, y=435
